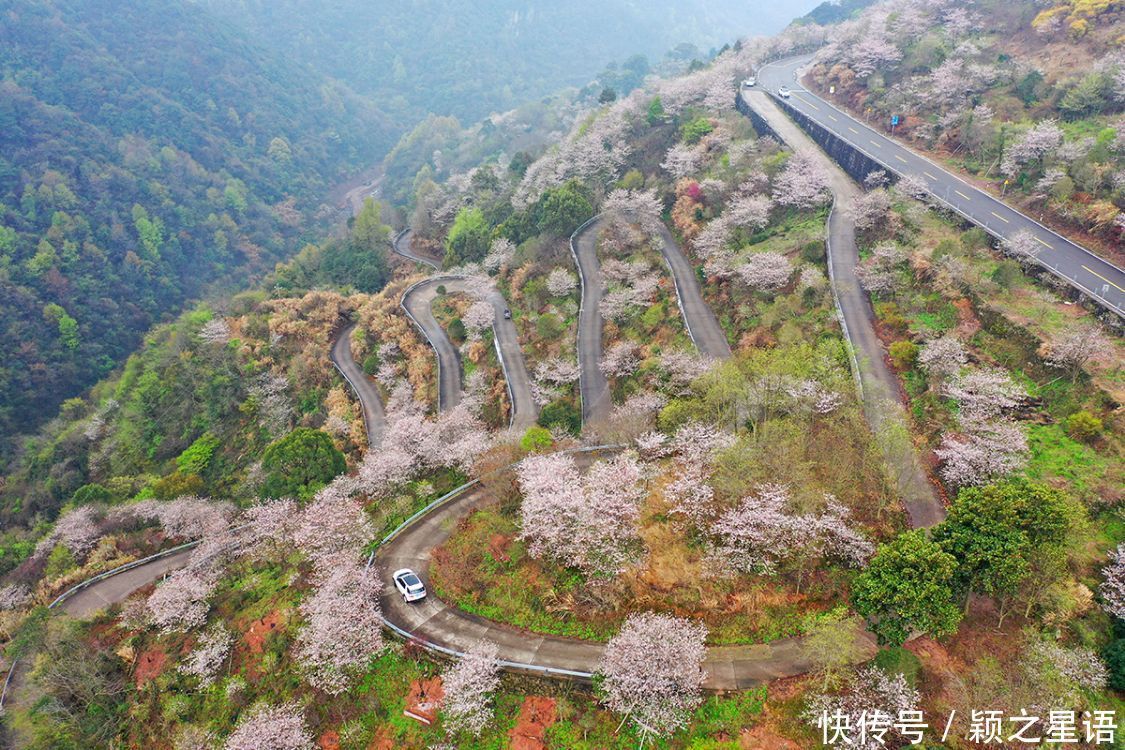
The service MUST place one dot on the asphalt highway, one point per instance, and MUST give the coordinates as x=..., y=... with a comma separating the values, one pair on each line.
x=1090, y=274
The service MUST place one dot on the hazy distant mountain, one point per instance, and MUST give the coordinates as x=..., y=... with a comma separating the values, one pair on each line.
x=471, y=57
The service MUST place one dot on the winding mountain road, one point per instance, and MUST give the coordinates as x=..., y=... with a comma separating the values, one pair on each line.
x=1077, y=266
x=374, y=420
x=439, y=624
x=699, y=320
x=418, y=301
x=879, y=386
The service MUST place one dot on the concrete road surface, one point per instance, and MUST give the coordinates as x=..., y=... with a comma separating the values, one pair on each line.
x=1080, y=268
x=374, y=419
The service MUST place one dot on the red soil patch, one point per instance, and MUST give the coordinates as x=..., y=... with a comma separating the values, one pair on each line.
x=149, y=666
x=260, y=630
x=330, y=740
x=536, y=715
x=423, y=700
x=498, y=547
x=382, y=741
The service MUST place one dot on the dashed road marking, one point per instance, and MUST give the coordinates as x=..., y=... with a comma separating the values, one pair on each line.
x=929, y=175
x=962, y=195
x=1044, y=244
x=1001, y=218
x=853, y=130
x=897, y=156
x=833, y=119
x=1103, y=278
x=876, y=144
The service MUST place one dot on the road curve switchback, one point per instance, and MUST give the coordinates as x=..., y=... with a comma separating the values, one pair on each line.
x=434, y=621
x=1085, y=271
x=374, y=420
x=879, y=386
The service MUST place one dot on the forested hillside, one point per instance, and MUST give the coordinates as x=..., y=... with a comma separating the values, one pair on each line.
x=146, y=152
x=467, y=58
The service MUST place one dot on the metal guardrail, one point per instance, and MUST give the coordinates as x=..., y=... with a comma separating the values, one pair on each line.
x=447, y=497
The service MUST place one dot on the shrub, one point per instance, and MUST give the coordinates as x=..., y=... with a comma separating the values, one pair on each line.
x=813, y=251
x=457, y=330
x=300, y=463
x=561, y=413
x=898, y=660
x=694, y=130
x=1083, y=426
x=536, y=439
x=1114, y=656
x=177, y=484
x=197, y=457
x=91, y=493
x=904, y=354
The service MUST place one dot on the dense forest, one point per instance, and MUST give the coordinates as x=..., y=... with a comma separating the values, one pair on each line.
x=467, y=58
x=145, y=153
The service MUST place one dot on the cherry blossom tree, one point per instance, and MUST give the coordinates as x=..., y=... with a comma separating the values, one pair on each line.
x=763, y=532
x=468, y=686
x=873, y=52
x=332, y=524
x=870, y=210
x=870, y=693
x=682, y=160
x=180, y=603
x=215, y=331
x=587, y=522
x=641, y=206
x=879, y=274
x=478, y=317
x=991, y=450
x=943, y=357
x=913, y=187
x=1077, y=346
x=803, y=183
x=78, y=531
x=1112, y=588
x=765, y=271
x=343, y=625
x=1037, y=143
x=501, y=253
x=275, y=727
x=269, y=526
x=985, y=394
x=211, y=650
x=620, y=360
x=1081, y=670
x=561, y=282
x=653, y=672
x=749, y=211
x=557, y=371
x=1021, y=245
x=683, y=368
x=811, y=277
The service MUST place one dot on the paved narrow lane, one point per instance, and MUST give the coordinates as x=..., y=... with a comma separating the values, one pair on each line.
x=879, y=386
x=403, y=246
x=593, y=388
x=374, y=420
x=1090, y=274
x=699, y=318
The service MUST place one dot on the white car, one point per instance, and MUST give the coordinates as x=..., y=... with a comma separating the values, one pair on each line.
x=784, y=92
x=409, y=585
x=750, y=82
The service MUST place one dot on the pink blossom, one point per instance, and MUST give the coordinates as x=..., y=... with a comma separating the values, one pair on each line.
x=943, y=357
x=1077, y=346
x=215, y=331
x=1038, y=142
x=653, y=672
x=682, y=160
x=274, y=727
x=14, y=596
x=749, y=211
x=684, y=368
x=990, y=451
x=870, y=209
x=501, y=253
x=180, y=603
x=620, y=360
x=480, y=316
x=77, y=530
x=561, y=282
x=211, y=650
x=765, y=271
x=1112, y=588
x=343, y=625
x=869, y=690
x=332, y=524
x=803, y=183
x=468, y=686
x=1021, y=245
x=985, y=394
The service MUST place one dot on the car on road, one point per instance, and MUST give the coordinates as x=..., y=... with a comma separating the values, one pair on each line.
x=409, y=585
x=784, y=92
x=507, y=314
x=750, y=82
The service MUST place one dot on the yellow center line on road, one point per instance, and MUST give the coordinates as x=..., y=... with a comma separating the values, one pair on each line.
x=900, y=158
x=1001, y=218
x=1103, y=278
x=962, y=195
x=929, y=175
x=1044, y=244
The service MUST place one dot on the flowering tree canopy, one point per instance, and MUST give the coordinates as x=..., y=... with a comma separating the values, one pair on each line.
x=870, y=690
x=275, y=727
x=211, y=650
x=803, y=183
x=468, y=686
x=343, y=625
x=1112, y=588
x=943, y=357
x=653, y=671
x=180, y=603
x=561, y=282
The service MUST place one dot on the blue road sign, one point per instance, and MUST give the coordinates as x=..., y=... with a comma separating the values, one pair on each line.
x=894, y=119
